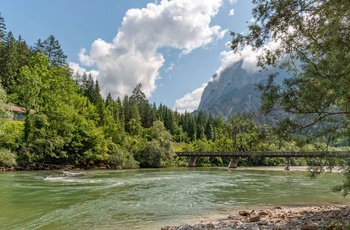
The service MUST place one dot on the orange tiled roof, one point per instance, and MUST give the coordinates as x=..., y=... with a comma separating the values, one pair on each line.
x=18, y=109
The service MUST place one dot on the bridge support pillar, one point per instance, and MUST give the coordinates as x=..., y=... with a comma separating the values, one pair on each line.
x=233, y=162
x=286, y=166
x=192, y=162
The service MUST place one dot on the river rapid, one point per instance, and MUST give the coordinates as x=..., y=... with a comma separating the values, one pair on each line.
x=152, y=198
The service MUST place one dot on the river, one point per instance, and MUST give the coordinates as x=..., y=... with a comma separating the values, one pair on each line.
x=151, y=198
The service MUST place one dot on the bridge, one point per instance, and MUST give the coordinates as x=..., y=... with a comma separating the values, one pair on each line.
x=234, y=156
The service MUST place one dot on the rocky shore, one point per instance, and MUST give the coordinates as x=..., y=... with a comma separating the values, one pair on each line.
x=302, y=218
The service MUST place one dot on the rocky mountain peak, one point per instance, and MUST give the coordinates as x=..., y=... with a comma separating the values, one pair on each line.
x=234, y=91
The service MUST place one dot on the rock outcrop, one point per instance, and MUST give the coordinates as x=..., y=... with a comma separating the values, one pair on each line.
x=234, y=91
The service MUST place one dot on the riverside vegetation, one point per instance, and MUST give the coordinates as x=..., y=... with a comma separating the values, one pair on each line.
x=74, y=125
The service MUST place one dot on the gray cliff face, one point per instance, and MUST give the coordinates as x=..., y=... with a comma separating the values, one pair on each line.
x=234, y=92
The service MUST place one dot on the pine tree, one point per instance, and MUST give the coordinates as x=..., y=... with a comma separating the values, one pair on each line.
x=14, y=55
x=51, y=48
x=2, y=29
x=109, y=99
x=139, y=98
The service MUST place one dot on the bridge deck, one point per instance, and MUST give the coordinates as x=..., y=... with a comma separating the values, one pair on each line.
x=267, y=154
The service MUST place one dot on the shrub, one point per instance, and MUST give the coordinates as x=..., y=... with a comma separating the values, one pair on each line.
x=7, y=158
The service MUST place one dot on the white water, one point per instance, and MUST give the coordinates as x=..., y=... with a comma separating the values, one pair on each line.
x=149, y=199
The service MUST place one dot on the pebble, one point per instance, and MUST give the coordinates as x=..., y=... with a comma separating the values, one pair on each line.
x=304, y=218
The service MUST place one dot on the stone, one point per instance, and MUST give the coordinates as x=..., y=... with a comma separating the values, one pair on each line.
x=263, y=222
x=264, y=213
x=244, y=213
x=210, y=226
x=288, y=218
x=309, y=227
x=254, y=218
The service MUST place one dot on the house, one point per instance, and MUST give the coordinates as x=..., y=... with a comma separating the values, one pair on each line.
x=19, y=113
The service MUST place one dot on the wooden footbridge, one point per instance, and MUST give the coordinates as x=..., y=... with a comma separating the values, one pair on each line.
x=235, y=155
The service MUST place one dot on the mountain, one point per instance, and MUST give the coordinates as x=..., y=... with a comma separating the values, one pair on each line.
x=234, y=91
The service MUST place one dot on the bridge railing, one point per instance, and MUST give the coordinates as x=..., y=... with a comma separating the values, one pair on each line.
x=268, y=154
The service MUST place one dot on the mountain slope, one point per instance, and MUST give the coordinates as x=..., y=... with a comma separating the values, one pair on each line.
x=234, y=91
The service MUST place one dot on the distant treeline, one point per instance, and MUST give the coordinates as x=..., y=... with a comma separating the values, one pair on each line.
x=74, y=125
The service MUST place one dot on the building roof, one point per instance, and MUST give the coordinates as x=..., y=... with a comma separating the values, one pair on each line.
x=18, y=109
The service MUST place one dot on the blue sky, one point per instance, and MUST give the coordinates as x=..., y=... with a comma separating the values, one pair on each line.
x=171, y=47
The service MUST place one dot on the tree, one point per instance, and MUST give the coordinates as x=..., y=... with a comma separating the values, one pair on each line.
x=2, y=28
x=156, y=152
x=4, y=113
x=13, y=55
x=313, y=46
x=139, y=98
x=52, y=49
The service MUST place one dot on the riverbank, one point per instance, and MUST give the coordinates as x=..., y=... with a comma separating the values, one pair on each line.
x=303, y=218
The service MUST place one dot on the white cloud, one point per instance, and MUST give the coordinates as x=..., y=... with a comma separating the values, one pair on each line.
x=77, y=69
x=85, y=59
x=232, y=12
x=133, y=56
x=247, y=54
x=252, y=20
x=232, y=1
x=228, y=58
x=190, y=101
x=171, y=67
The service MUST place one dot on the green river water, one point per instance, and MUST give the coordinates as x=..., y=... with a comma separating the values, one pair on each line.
x=151, y=198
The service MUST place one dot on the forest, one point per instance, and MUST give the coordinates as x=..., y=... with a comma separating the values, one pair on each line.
x=68, y=122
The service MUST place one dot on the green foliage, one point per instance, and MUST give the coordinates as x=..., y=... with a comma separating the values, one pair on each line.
x=313, y=47
x=4, y=112
x=52, y=49
x=120, y=158
x=73, y=124
x=13, y=55
x=2, y=28
x=158, y=151
x=7, y=158
x=13, y=135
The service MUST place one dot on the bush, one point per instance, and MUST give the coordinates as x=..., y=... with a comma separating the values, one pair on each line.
x=7, y=158
x=121, y=158
x=13, y=135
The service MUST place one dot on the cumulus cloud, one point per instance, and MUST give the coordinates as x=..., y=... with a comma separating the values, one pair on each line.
x=171, y=67
x=232, y=12
x=77, y=69
x=232, y=1
x=247, y=54
x=134, y=57
x=190, y=101
x=85, y=59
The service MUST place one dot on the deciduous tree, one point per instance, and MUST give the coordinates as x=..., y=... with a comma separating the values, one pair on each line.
x=311, y=40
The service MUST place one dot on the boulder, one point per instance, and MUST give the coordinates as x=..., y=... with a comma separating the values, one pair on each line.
x=244, y=213
x=254, y=217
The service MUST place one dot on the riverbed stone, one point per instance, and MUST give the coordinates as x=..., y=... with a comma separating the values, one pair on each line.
x=254, y=218
x=302, y=218
x=244, y=213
